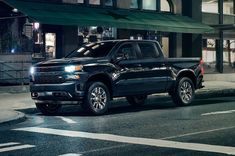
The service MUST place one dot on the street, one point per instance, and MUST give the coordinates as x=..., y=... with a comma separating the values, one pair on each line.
x=158, y=128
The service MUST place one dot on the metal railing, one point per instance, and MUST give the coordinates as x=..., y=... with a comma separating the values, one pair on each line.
x=14, y=72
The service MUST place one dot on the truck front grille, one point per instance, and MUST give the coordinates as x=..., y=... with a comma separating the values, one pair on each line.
x=49, y=80
x=49, y=69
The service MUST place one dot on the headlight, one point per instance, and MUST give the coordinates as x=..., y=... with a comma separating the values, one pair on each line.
x=32, y=70
x=71, y=69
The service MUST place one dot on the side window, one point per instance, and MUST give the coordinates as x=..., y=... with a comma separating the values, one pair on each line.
x=149, y=50
x=127, y=51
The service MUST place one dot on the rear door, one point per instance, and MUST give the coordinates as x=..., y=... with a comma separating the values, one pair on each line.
x=155, y=73
x=128, y=77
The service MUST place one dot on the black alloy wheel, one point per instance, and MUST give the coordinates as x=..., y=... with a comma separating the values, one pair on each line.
x=97, y=98
x=137, y=100
x=48, y=108
x=184, y=92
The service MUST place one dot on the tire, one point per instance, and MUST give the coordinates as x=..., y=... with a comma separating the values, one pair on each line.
x=48, y=108
x=184, y=92
x=97, y=98
x=137, y=100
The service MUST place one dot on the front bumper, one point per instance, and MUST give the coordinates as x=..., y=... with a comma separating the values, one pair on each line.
x=68, y=91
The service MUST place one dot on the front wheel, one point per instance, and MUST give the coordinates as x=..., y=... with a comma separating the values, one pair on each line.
x=48, y=108
x=97, y=98
x=137, y=100
x=184, y=92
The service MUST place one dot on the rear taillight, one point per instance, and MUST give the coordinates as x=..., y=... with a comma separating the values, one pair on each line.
x=202, y=67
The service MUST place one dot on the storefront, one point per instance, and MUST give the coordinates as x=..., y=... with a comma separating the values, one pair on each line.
x=61, y=26
x=219, y=56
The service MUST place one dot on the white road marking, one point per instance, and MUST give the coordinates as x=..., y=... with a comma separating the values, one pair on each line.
x=18, y=147
x=134, y=140
x=219, y=112
x=70, y=121
x=103, y=149
x=9, y=144
x=201, y=132
x=71, y=154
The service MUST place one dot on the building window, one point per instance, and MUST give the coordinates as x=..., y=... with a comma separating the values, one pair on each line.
x=228, y=7
x=16, y=36
x=134, y=4
x=210, y=6
x=73, y=1
x=165, y=6
x=149, y=4
x=94, y=2
x=108, y=3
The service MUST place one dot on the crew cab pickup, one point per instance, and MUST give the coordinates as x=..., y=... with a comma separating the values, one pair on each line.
x=95, y=73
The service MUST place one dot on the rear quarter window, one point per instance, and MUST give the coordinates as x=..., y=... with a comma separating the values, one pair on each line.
x=149, y=50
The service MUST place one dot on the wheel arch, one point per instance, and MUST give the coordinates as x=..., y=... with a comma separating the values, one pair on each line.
x=105, y=79
x=189, y=74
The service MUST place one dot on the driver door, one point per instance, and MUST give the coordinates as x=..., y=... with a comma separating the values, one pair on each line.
x=128, y=70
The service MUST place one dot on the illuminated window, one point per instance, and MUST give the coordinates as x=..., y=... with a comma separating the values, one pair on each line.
x=94, y=2
x=149, y=4
x=134, y=4
x=210, y=6
x=108, y=2
x=73, y=1
x=165, y=6
x=228, y=7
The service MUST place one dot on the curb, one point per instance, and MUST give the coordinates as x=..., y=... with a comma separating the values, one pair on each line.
x=20, y=117
x=215, y=93
x=14, y=89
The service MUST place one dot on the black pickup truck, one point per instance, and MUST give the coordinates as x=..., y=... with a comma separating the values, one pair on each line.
x=97, y=72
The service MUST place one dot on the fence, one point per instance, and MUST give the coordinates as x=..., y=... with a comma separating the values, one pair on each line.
x=16, y=72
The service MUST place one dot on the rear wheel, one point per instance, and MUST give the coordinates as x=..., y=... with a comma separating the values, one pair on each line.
x=137, y=100
x=48, y=108
x=184, y=92
x=97, y=98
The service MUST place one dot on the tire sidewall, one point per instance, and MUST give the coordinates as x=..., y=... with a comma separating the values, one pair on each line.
x=89, y=105
x=179, y=98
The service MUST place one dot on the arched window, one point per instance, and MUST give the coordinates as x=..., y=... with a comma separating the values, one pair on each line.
x=158, y=5
x=166, y=6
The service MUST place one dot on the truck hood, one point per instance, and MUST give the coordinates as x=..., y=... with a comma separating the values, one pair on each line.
x=68, y=61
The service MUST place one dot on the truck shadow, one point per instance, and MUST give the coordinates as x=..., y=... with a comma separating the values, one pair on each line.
x=121, y=106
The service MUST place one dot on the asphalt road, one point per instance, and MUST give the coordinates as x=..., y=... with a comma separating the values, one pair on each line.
x=207, y=128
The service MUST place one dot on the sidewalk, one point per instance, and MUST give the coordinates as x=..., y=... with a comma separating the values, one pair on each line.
x=15, y=98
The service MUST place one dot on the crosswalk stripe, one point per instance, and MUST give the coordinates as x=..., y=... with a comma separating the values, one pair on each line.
x=7, y=149
x=70, y=121
x=9, y=144
x=134, y=140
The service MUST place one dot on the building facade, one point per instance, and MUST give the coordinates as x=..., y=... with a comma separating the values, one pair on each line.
x=54, y=39
x=219, y=46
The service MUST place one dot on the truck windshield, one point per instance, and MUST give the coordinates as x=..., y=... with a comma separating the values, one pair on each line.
x=95, y=50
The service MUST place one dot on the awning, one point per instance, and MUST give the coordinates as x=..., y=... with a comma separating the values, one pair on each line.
x=72, y=14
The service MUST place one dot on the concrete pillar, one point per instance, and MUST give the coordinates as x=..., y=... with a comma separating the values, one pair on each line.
x=220, y=42
x=70, y=39
x=192, y=43
x=66, y=40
